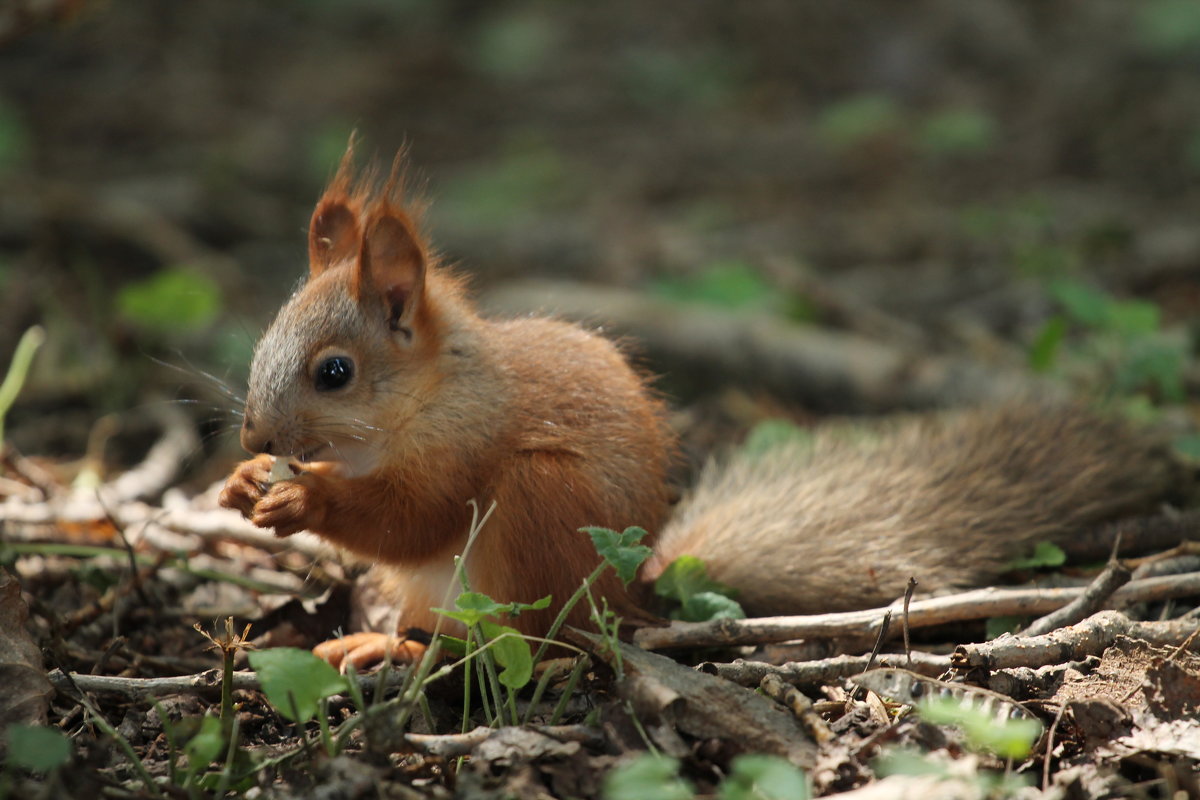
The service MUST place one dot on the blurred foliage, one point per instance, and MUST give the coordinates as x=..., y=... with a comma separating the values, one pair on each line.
x=734, y=285
x=957, y=133
x=15, y=138
x=856, y=120
x=529, y=176
x=1121, y=340
x=515, y=44
x=1169, y=27
x=325, y=148
x=698, y=78
x=170, y=302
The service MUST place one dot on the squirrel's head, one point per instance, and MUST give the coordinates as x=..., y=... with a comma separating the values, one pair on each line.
x=359, y=327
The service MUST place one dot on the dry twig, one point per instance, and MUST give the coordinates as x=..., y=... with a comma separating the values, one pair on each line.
x=976, y=604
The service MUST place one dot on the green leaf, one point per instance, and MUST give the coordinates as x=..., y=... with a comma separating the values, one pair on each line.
x=295, y=680
x=511, y=652
x=1153, y=363
x=1044, y=350
x=473, y=607
x=1007, y=738
x=684, y=577
x=620, y=549
x=170, y=301
x=905, y=761
x=207, y=745
x=763, y=777
x=706, y=606
x=1082, y=303
x=647, y=777
x=1134, y=317
x=37, y=748
x=1045, y=554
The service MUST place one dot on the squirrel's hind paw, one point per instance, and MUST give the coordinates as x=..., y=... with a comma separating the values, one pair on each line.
x=365, y=650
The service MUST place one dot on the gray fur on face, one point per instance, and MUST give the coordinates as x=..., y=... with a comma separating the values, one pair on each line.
x=279, y=371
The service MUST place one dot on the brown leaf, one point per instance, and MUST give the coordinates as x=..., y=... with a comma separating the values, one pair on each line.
x=667, y=695
x=26, y=694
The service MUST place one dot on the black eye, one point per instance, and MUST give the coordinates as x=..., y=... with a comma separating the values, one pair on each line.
x=334, y=373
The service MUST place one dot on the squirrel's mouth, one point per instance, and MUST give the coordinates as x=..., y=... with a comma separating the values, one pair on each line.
x=314, y=454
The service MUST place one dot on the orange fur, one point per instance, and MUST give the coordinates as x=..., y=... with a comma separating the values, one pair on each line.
x=540, y=417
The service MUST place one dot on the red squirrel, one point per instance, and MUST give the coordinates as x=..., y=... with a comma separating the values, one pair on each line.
x=402, y=403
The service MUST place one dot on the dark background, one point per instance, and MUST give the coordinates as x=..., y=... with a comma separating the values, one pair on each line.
x=951, y=165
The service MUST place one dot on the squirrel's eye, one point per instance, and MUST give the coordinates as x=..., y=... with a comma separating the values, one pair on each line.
x=334, y=373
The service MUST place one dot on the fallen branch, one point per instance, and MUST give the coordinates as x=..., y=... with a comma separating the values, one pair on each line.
x=1088, y=638
x=454, y=745
x=810, y=674
x=203, y=683
x=977, y=604
x=1097, y=593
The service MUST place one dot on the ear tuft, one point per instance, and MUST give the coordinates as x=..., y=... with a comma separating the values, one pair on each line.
x=333, y=233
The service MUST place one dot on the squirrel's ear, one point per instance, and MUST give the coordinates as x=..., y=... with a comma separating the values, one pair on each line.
x=391, y=266
x=333, y=236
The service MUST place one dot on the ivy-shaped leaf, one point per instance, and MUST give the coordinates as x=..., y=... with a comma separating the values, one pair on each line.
x=621, y=550
x=295, y=680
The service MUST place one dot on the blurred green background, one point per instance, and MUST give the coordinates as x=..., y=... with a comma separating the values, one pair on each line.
x=1026, y=169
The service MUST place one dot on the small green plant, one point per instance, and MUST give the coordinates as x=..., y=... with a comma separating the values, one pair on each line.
x=761, y=777
x=18, y=370
x=647, y=777
x=1007, y=738
x=1045, y=554
x=1121, y=339
x=905, y=761
x=651, y=776
x=298, y=684
x=700, y=598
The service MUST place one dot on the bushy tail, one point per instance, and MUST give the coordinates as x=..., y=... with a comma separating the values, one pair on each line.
x=843, y=521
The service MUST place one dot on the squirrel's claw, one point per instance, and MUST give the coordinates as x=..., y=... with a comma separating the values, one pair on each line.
x=247, y=485
x=289, y=507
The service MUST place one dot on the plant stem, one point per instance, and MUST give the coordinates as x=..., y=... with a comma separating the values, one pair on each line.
x=30, y=341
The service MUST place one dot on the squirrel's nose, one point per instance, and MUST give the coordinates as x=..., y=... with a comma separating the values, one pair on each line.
x=253, y=440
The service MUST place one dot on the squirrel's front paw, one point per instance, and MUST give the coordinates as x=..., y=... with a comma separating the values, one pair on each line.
x=289, y=506
x=247, y=485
